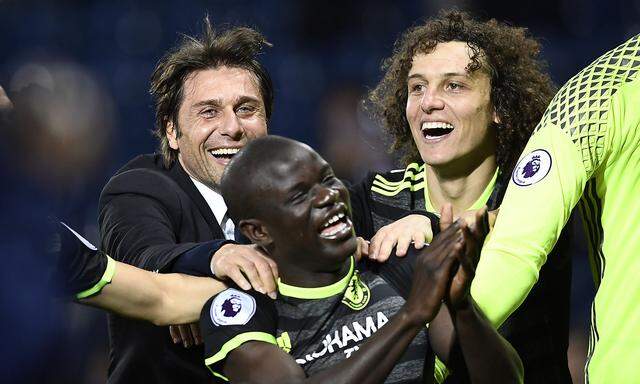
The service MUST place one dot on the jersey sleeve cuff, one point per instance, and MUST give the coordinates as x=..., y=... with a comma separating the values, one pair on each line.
x=234, y=343
x=104, y=280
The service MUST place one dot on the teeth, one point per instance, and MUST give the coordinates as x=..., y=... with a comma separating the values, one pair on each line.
x=333, y=219
x=435, y=125
x=224, y=151
x=336, y=230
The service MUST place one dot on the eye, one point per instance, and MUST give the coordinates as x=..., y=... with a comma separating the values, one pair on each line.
x=208, y=113
x=245, y=109
x=297, y=197
x=416, y=88
x=454, y=86
x=330, y=179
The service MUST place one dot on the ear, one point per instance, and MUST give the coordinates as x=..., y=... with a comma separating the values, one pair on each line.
x=496, y=118
x=255, y=231
x=172, y=134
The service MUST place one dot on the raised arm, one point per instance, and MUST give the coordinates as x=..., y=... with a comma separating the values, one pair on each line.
x=461, y=336
x=162, y=299
x=138, y=227
x=93, y=278
x=231, y=349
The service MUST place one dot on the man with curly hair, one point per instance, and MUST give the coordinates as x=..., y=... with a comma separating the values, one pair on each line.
x=460, y=98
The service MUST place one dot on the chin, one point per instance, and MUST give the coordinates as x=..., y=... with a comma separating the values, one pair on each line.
x=340, y=251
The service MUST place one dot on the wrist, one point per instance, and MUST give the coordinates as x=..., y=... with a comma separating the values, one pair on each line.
x=464, y=307
x=213, y=257
x=412, y=318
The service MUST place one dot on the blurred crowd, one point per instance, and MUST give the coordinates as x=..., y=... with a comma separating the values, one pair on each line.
x=76, y=74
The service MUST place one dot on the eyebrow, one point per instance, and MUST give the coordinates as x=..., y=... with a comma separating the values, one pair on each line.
x=204, y=103
x=447, y=74
x=218, y=103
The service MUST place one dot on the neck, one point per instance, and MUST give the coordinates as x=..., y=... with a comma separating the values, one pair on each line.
x=208, y=183
x=304, y=277
x=460, y=188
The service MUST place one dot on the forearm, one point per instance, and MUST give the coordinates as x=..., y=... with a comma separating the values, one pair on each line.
x=139, y=231
x=488, y=357
x=375, y=359
x=159, y=298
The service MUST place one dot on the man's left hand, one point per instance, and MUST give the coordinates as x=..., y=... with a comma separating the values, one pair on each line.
x=247, y=266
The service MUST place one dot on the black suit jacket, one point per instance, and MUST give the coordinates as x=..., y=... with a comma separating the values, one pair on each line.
x=150, y=217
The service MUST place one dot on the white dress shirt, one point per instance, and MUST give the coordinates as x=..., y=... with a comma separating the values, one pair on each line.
x=218, y=207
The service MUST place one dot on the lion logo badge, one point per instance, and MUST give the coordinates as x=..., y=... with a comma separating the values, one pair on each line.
x=232, y=307
x=532, y=168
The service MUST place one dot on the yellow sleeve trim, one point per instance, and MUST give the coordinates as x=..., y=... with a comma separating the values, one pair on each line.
x=440, y=371
x=234, y=343
x=104, y=280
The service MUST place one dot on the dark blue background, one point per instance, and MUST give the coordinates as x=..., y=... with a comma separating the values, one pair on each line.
x=326, y=55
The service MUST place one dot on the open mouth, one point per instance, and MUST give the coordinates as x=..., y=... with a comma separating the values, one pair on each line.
x=336, y=226
x=224, y=154
x=435, y=129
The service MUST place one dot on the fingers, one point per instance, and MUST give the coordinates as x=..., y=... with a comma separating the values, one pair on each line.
x=468, y=258
x=265, y=273
x=187, y=334
x=183, y=333
x=483, y=219
x=421, y=238
x=384, y=250
x=272, y=292
x=446, y=216
x=363, y=248
x=195, y=332
x=404, y=240
x=400, y=234
x=492, y=216
x=480, y=226
x=175, y=334
x=237, y=277
x=248, y=267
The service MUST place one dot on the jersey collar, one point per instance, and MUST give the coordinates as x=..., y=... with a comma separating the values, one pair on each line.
x=479, y=203
x=317, y=292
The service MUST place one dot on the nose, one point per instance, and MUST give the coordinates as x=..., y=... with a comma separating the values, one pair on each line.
x=431, y=101
x=232, y=126
x=325, y=196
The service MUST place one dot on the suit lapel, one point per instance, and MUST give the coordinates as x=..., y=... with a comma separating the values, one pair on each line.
x=182, y=178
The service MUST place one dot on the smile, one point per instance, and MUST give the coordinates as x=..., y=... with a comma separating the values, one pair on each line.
x=224, y=152
x=336, y=227
x=436, y=130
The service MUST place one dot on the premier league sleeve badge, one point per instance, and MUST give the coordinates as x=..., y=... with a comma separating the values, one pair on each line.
x=232, y=307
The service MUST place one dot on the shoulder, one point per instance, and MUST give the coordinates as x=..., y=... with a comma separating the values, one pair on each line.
x=235, y=307
x=232, y=318
x=394, y=181
x=144, y=174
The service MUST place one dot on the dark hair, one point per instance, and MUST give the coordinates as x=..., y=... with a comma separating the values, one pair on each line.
x=520, y=89
x=235, y=47
x=245, y=177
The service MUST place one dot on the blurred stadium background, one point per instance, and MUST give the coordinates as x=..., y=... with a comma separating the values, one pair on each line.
x=79, y=71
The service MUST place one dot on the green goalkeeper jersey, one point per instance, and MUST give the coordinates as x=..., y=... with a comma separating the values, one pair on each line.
x=585, y=151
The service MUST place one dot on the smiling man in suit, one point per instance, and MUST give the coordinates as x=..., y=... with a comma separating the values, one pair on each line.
x=163, y=211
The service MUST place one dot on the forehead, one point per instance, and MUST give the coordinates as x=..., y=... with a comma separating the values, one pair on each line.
x=296, y=164
x=223, y=84
x=448, y=57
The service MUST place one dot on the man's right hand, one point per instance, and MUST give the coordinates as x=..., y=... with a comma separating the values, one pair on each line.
x=247, y=266
x=433, y=272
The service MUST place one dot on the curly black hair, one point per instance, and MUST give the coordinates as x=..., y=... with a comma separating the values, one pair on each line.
x=520, y=87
